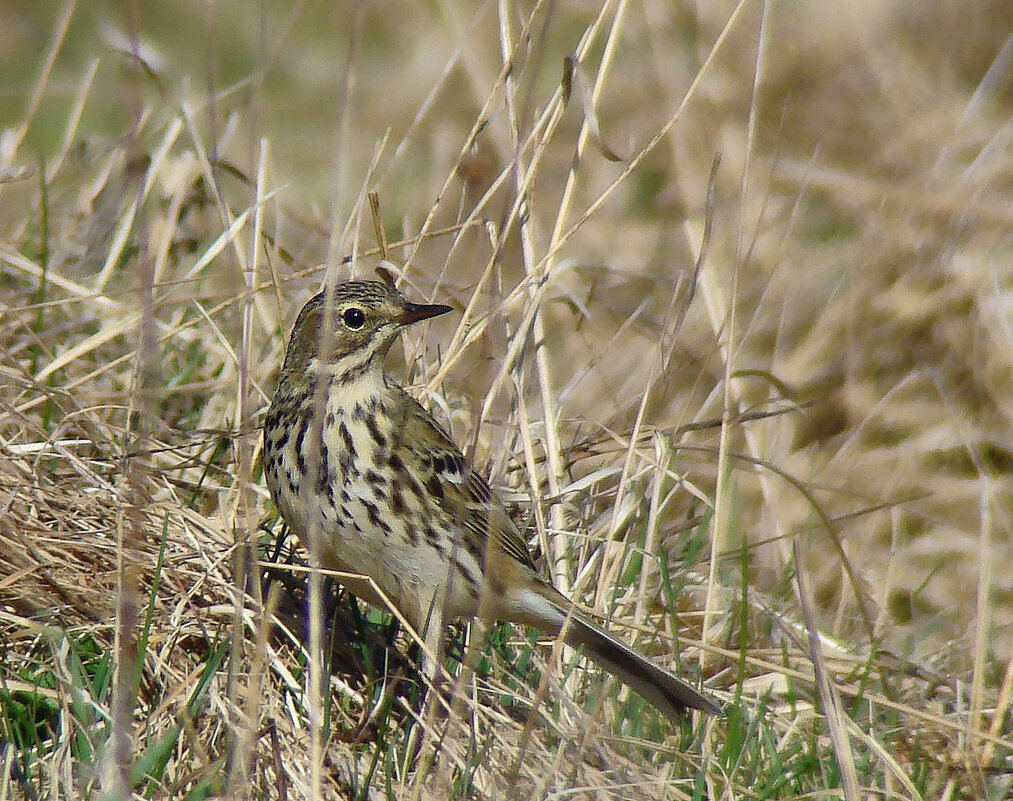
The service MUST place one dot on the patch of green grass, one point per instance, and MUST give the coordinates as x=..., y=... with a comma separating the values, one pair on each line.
x=849, y=260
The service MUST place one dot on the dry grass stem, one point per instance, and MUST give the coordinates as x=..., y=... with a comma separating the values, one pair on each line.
x=747, y=391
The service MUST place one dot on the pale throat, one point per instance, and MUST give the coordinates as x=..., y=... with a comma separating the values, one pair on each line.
x=368, y=384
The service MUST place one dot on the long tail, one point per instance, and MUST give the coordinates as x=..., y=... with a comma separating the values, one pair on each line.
x=662, y=688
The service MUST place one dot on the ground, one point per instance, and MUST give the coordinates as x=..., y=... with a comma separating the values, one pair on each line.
x=732, y=337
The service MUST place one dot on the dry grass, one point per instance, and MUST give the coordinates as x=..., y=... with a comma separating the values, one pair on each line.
x=831, y=560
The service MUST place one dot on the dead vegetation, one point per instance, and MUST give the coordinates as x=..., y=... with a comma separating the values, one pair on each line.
x=835, y=291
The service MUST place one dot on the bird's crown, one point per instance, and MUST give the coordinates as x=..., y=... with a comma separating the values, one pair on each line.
x=357, y=319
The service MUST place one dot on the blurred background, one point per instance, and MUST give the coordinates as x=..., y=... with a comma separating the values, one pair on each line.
x=861, y=198
x=795, y=213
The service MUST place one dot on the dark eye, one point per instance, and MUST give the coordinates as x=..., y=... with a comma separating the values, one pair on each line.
x=354, y=318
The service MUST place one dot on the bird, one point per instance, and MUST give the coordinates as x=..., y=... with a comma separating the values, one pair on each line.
x=353, y=460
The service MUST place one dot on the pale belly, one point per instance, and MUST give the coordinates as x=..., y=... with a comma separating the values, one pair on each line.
x=400, y=544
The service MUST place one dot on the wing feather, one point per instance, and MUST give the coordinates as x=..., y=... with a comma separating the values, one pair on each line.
x=463, y=493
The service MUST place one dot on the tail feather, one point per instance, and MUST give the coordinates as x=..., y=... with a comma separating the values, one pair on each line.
x=664, y=689
x=661, y=687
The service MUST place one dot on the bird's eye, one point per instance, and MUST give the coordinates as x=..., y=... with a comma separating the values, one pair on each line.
x=354, y=318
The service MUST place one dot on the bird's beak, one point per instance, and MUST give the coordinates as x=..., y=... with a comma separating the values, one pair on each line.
x=414, y=312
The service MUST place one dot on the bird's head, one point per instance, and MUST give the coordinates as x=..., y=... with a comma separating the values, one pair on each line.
x=363, y=318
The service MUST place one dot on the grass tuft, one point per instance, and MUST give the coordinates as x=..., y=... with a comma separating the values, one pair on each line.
x=732, y=344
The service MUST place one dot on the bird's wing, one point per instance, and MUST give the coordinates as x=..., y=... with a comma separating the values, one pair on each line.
x=459, y=490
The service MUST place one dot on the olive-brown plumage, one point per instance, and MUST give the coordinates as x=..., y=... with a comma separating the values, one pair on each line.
x=395, y=502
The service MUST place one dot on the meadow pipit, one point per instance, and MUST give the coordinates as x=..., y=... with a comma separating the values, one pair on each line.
x=347, y=450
